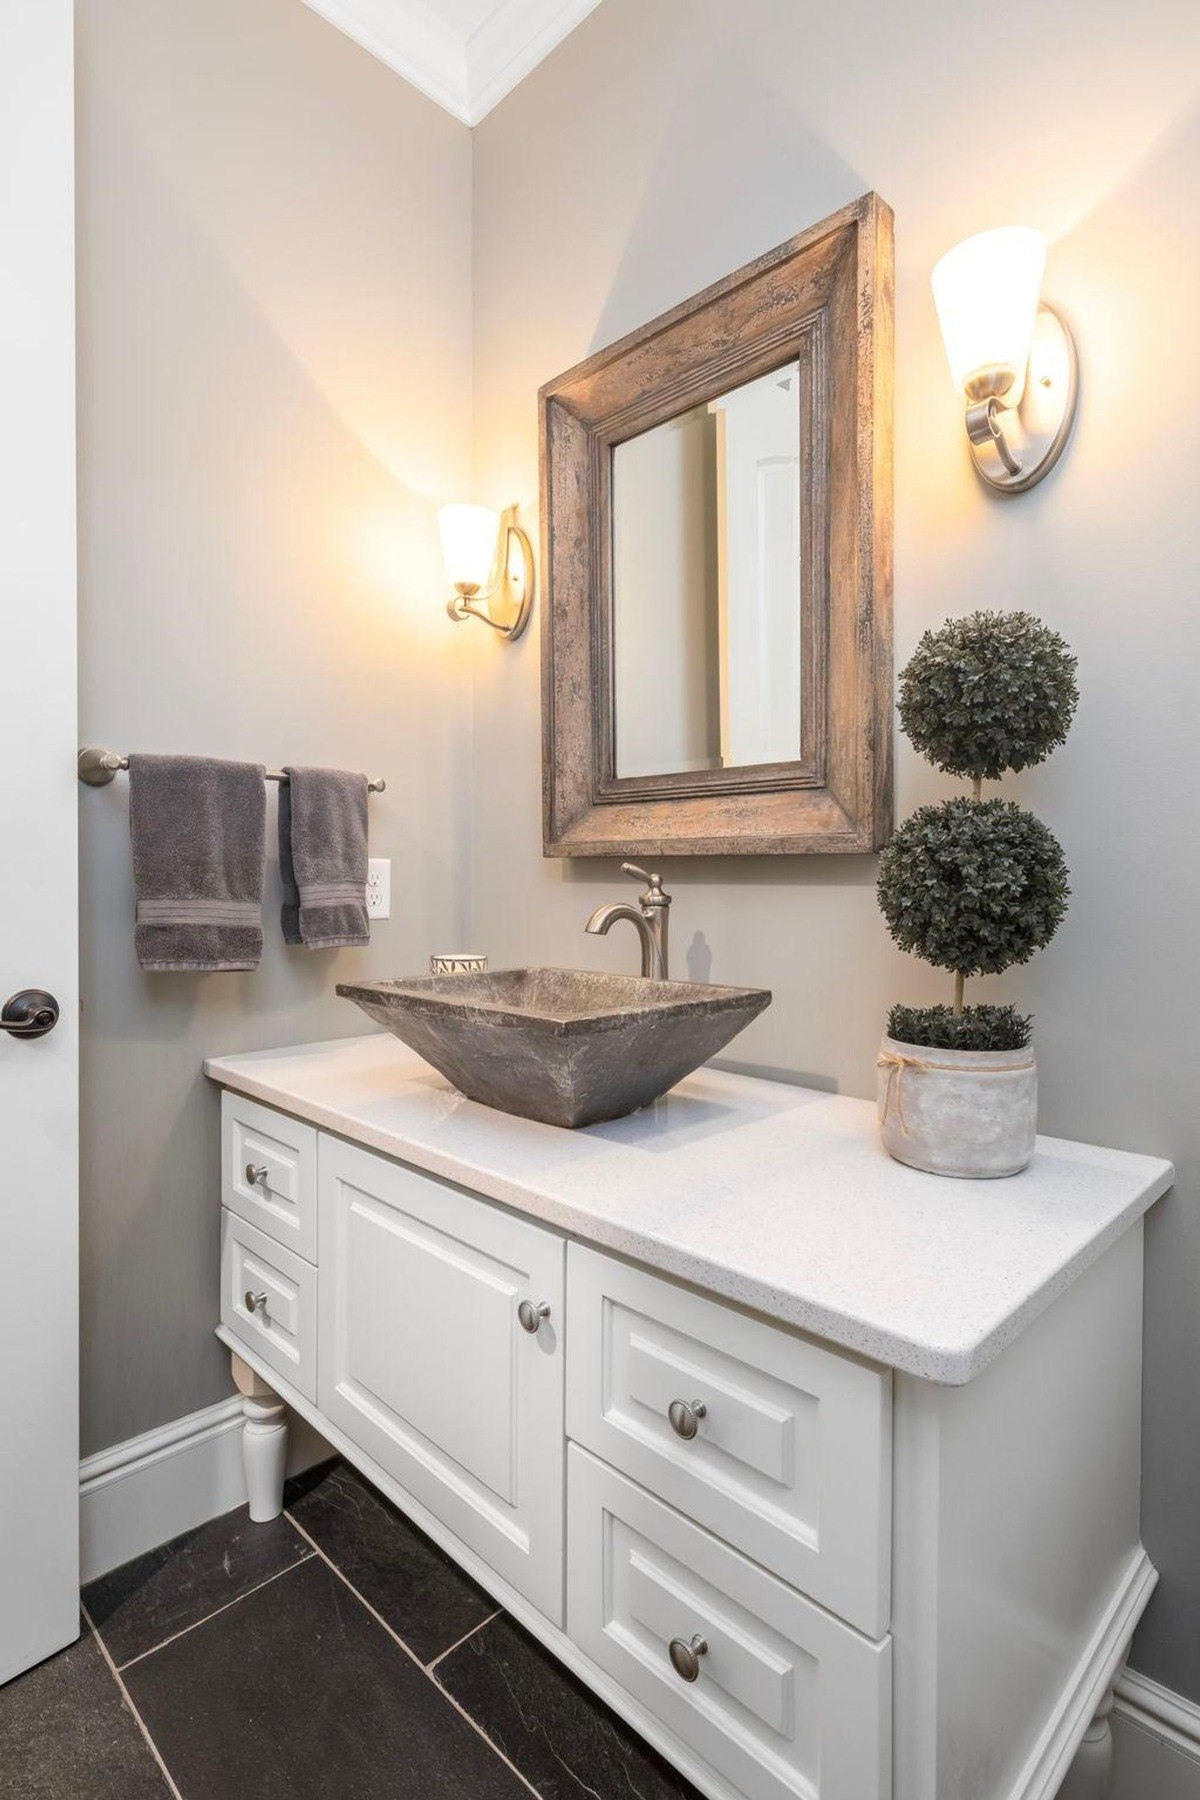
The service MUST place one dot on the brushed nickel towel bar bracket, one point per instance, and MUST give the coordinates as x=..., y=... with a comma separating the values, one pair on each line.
x=97, y=768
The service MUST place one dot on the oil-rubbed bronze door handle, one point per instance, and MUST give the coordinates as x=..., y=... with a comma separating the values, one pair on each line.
x=30, y=1014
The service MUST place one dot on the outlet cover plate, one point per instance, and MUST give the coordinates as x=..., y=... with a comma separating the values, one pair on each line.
x=379, y=887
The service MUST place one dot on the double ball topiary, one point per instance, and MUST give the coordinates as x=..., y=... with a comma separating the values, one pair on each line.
x=976, y=885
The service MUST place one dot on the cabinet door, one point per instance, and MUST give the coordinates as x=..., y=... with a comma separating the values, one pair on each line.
x=424, y=1363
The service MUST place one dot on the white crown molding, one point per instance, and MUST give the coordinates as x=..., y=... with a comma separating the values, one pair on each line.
x=410, y=39
x=466, y=75
x=513, y=40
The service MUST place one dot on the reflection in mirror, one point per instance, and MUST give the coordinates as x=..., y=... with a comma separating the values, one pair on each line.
x=706, y=584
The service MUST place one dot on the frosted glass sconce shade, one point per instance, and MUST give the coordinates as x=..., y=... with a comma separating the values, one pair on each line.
x=986, y=291
x=1010, y=354
x=489, y=561
x=469, y=536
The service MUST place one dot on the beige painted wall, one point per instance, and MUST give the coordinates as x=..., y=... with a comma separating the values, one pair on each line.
x=668, y=141
x=274, y=390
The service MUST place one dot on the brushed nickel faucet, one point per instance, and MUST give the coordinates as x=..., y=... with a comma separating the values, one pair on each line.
x=649, y=917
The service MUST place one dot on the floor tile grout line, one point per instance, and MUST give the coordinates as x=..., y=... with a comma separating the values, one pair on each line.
x=127, y=1697
x=459, y=1642
x=415, y=1659
x=214, y=1614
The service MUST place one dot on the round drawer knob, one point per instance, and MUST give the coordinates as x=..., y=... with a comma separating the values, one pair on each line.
x=256, y=1173
x=253, y=1301
x=685, y=1658
x=685, y=1417
x=531, y=1316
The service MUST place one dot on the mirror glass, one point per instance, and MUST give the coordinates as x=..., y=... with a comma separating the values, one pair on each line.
x=706, y=628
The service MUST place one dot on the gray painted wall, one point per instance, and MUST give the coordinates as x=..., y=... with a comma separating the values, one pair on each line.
x=275, y=387
x=668, y=141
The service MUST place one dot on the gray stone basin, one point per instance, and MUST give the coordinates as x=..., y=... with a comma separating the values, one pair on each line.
x=567, y=1046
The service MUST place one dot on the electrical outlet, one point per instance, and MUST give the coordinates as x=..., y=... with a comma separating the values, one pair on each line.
x=379, y=887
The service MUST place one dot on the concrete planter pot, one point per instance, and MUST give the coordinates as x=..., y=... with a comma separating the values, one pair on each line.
x=957, y=1112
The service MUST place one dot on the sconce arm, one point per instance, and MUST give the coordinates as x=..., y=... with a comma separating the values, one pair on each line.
x=986, y=432
x=459, y=606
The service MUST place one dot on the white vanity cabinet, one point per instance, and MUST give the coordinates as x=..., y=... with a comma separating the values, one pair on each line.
x=822, y=1472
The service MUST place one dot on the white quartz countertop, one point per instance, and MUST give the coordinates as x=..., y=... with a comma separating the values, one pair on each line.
x=777, y=1197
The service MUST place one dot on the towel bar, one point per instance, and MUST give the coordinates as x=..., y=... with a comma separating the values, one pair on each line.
x=97, y=768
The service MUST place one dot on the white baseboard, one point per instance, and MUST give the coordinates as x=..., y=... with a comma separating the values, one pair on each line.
x=1156, y=1709
x=143, y=1492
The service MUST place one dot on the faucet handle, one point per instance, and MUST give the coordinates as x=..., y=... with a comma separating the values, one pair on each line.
x=653, y=882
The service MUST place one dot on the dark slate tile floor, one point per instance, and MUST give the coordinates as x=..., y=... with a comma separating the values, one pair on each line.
x=414, y=1587
x=334, y=1652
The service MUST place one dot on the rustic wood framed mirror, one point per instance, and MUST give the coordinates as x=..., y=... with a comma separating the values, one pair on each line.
x=717, y=558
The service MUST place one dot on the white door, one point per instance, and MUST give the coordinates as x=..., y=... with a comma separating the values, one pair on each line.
x=39, y=1108
x=423, y=1360
x=758, y=513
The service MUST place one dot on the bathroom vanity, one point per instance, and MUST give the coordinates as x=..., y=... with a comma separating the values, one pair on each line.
x=822, y=1472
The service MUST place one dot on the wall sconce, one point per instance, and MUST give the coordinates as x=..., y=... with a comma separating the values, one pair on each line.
x=1010, y=353
x=489, y=560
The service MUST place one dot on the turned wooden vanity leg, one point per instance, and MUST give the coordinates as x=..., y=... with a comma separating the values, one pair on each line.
x=1090, y=1775
x=264, y=1441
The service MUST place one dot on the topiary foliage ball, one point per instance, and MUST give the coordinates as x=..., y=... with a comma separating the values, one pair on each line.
x=973, y=885
x=989, y=693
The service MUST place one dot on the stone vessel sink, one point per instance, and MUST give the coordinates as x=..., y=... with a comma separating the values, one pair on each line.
x=566, y=1046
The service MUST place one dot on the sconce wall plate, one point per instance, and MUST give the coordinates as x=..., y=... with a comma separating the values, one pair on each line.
x=507, y=601
x=1015, y=447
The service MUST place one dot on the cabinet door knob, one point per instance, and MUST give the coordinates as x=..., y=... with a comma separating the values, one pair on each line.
x=685, y=1658
x=256, y=1172
x=685, y=1417
x=253, y=1301
x=531, y=1316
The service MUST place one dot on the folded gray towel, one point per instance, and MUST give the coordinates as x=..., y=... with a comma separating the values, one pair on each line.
x=199, y=834
x=323, y=858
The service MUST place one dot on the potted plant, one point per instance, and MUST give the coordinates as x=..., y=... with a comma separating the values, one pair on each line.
x=973, y=886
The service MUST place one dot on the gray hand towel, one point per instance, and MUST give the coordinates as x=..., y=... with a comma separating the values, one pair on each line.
x=323, y=858
x=199, y=837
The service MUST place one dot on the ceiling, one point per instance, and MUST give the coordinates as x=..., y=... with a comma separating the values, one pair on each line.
x=465, y=54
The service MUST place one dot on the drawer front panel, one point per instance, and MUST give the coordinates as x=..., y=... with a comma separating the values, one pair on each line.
x=787, y=1700
x=425, y=1364
x=283, y=1329
x=790, y=1453
x=282, y=1201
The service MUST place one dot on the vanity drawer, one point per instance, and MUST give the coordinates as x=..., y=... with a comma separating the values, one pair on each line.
x=786, y=1701
x=791, y=1457
x=283, y=1330
x=283, y=1200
